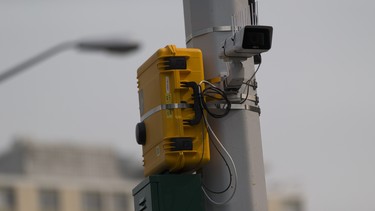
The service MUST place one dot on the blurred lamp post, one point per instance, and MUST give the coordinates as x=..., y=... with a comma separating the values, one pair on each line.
x=115, y=46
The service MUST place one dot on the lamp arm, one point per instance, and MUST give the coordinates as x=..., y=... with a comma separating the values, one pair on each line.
x=5, y=75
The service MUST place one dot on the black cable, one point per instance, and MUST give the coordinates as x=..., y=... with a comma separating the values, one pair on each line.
x=247, y=93
x=210, y=92
x=248, y=81
x=248, y=84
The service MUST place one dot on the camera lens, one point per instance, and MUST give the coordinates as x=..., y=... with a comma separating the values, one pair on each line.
x=257, y=37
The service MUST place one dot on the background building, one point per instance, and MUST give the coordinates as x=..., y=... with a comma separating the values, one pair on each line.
x=42, y=176
x=63, y=177
x=285, y=202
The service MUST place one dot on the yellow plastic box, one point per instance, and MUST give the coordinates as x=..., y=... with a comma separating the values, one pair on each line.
x=171, y=131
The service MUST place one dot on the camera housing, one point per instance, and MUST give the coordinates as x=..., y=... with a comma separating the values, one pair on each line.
x=248, y=41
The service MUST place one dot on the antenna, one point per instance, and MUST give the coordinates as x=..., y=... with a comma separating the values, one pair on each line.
x=245, y=17
x=253, y=12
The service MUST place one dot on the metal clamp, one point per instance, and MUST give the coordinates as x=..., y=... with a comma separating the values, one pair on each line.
x=235, y=107
x=164, y=107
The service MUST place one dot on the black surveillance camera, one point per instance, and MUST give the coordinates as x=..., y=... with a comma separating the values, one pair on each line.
x=248, y=41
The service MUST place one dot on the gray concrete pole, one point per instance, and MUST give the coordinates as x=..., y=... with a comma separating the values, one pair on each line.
x=207, y=24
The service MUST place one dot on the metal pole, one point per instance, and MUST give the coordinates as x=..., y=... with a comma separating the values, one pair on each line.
x=207, y=24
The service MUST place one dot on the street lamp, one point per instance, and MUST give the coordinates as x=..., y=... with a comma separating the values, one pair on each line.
x=116, y=46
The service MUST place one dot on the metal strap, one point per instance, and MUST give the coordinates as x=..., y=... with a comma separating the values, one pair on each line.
x=207, y=31
x=164, y=107
x=245, y=107
x=235, y=107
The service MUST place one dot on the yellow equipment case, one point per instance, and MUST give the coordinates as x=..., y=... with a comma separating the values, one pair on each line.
x=171, y=130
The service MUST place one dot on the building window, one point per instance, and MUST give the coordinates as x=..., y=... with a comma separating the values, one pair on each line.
x=7, y=199
x=120, y=202
x=92, y=201
x=48, y=200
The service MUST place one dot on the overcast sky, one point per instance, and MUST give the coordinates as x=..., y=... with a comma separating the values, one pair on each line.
x=316, y=86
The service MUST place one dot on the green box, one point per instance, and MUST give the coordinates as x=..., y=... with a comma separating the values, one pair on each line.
x=169, y=193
